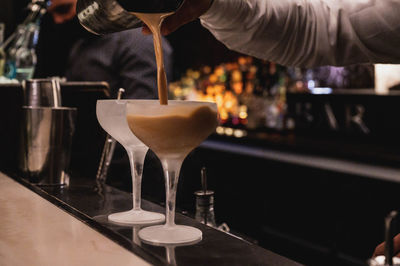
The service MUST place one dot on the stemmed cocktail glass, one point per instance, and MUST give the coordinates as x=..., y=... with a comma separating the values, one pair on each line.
x=111, y=115
x=171, y=131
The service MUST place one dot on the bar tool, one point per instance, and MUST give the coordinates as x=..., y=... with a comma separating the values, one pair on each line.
x=46, y=140
x=107, y=16
x=205, y=203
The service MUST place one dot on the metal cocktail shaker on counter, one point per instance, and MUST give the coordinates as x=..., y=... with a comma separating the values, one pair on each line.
x=107, y=16
x=46, y=134
x=46, y=144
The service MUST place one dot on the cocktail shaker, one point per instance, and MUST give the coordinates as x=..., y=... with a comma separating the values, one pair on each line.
x=46, y=133
x=107, y=16
x=46, y=141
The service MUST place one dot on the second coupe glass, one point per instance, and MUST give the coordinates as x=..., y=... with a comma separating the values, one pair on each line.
x=111, y=115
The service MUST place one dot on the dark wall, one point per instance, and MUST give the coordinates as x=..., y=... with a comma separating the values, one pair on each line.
x=10, y=108
x=12, y=12
x=194, y=46
x=7, y=15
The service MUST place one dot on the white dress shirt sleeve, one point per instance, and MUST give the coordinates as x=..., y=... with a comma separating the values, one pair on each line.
x=309, y=32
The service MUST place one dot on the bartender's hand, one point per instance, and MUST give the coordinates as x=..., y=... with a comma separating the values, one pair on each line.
x=380, y=249
x=189, y=11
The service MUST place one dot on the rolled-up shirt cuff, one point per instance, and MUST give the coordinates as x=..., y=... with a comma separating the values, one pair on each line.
x=215, y=14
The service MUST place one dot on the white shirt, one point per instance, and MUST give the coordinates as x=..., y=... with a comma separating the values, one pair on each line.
x=309, y=32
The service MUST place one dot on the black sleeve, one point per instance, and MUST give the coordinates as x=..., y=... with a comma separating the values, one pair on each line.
x=136, y=63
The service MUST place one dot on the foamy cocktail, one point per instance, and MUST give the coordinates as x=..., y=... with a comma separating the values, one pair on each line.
x=171, y=131
x=111, y=115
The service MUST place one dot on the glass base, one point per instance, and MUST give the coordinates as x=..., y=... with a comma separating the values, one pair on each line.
x=177, y=234
x=137, y=217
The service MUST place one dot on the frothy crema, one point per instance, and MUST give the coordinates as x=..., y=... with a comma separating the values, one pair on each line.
x=174, y=130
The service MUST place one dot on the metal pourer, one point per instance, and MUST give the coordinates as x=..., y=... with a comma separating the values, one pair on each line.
x=205, y=207
x=205, y=203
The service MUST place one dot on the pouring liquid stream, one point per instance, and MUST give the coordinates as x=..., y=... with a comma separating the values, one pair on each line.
x=154, y=21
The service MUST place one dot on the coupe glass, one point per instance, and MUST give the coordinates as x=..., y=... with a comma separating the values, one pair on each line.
x=171, y=131
x=112, y=117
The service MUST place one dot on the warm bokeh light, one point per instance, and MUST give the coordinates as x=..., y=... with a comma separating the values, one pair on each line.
x=243, y=91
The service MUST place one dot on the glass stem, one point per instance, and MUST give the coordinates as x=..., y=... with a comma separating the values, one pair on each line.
x=170, y=254
x=136, y=160
x=171, y=168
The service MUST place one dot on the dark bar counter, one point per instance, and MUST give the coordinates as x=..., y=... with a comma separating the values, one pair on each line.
x=91, y=203
x=353, y=124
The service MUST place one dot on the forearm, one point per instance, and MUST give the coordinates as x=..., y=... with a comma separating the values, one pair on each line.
x=308, y=32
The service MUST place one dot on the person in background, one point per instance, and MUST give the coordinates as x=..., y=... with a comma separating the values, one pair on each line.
x=124, y=59
x=302, y=33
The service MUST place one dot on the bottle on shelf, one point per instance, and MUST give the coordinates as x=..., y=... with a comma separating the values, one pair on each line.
x=20, y=45
x=17, y=41
x=25, y=56
x=2, y=53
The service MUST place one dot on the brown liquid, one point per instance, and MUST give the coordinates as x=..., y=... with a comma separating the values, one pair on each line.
x=154, y=21
x=182, y=131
